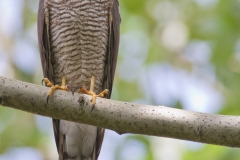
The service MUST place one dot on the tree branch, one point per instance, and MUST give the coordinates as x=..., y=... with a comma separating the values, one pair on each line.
x=122, y=117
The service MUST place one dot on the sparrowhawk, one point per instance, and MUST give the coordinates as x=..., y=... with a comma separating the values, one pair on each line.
x=78, y=41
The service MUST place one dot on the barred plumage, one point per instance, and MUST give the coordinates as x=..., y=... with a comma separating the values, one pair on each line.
x=78, y=44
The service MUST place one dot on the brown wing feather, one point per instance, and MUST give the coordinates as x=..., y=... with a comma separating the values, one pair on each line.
x=43, y=42
x=111, y=62
x=45, y=54
x=112, y=52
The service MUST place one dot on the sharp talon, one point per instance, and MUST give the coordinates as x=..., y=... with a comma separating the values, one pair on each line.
x=69, y=87
x=42, y=81
x=76, y=89
x=47, y=98
x=93, y=105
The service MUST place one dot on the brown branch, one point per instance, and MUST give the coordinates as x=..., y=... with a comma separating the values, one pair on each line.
x=122, y=117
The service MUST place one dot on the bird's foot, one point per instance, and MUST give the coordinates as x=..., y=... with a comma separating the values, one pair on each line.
x=90, y=92
x=93, y=94
x=55, y=87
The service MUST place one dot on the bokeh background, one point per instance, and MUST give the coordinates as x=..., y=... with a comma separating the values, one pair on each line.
x=183, y=54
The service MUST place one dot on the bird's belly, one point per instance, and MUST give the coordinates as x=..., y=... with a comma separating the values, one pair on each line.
x=79, y=37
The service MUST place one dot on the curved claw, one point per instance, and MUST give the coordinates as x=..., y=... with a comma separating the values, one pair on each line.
x=93, y=105
x=76, y=89
x=47, y=98
x=42, y=81
x=69, y=87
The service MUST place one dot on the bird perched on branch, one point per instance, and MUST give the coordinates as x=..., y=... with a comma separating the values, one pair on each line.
x=78, y=41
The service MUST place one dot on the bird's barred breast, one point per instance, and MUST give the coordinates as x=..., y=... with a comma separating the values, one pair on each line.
x=79, y=37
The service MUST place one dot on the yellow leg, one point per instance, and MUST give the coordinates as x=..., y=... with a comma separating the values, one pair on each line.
x=92, y=83
x=91, y=91
x=55, y=87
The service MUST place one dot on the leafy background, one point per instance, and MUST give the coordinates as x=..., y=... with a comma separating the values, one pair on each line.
x=183, y=54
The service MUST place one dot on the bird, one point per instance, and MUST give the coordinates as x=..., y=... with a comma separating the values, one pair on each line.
x=78, y=42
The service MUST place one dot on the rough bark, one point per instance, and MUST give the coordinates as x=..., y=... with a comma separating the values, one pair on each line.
x=122, y=117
